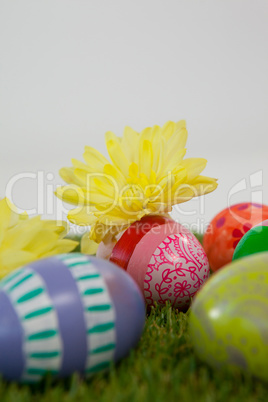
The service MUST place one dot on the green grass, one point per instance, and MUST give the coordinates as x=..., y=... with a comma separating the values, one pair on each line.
x=163, y=367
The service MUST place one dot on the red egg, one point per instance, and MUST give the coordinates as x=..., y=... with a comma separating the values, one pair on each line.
x=165, y=259
x=227, y=228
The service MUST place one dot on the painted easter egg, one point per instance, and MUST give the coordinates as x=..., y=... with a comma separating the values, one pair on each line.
x=164, y=258
x=227, y=228
x=65, y=314
x=228, y=322
x=254, y=241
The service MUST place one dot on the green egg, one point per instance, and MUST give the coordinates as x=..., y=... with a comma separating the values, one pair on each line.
x=228, y=320
x=254, y=241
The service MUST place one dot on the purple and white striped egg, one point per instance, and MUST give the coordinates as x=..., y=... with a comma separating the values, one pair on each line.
x=65, y=314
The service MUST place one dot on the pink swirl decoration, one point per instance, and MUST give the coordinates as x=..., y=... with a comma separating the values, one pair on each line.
x=177, y=269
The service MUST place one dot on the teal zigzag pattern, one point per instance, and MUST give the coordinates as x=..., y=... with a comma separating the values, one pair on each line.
x=99, y=311
x=42, y=342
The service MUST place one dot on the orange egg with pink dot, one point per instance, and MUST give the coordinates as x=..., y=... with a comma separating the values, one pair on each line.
x=227, y=228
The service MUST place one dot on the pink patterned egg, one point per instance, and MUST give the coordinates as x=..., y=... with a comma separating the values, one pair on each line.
x=165, y=259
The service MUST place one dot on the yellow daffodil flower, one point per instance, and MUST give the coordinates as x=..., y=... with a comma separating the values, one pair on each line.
x=24, y=239
x=146, y=175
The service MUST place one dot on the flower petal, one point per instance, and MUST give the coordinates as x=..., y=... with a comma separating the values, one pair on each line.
x=88, y=246
x=116, y=153
x=194, y=167
x=10, y=260
x=67, y=174
x=130, y=144
x=114, y=175
x=82, y=216
x=30, y=239
x=94, y=159
x=146, y=158
x=62, y=246
x=71, y=194
x=205, y=185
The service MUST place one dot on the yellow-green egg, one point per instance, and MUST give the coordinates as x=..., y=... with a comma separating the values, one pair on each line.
x=229, y=317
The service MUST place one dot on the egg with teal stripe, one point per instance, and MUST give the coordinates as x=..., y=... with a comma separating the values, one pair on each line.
x=65, y=314
x=228, y=321
x=254, y=241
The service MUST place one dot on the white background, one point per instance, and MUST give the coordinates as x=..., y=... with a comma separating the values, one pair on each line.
x=72, y=70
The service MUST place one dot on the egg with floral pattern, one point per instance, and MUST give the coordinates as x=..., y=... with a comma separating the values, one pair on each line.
x=165, y=259
x=227, y=228
x=228, y=321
